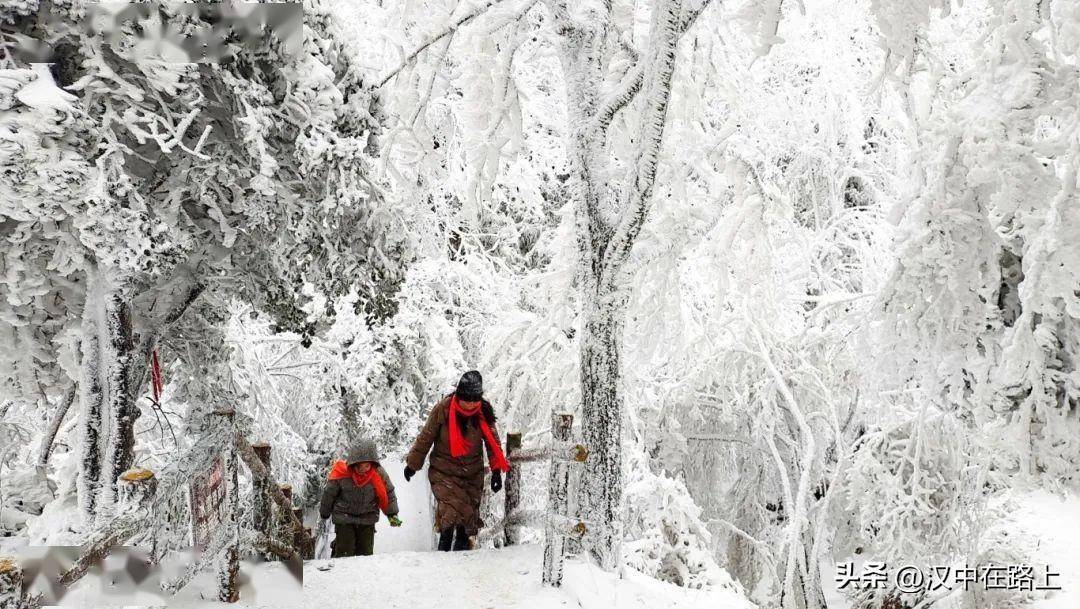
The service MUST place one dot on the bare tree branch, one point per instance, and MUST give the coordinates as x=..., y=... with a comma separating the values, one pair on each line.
x=660, y=63
x=430, y=40
x=629, y=85
x=54, y=425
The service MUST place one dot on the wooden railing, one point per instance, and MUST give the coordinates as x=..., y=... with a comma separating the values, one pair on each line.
x=276, y=530
x=561, y=529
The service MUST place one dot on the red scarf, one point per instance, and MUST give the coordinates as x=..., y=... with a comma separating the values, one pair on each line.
x=460, y=447
x=341, y=470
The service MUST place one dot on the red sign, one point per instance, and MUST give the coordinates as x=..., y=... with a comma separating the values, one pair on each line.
x=206, y=499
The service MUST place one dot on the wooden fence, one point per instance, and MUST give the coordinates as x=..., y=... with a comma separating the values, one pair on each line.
x=561, y=528
x=276, y=530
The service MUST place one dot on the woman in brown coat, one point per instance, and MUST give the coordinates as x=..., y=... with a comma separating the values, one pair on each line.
x=455, y=431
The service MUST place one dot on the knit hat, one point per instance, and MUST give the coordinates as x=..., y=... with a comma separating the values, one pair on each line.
x=471, y=386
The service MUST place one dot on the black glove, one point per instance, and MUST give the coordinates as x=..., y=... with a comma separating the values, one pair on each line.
x=409, y=473
x=496, y=481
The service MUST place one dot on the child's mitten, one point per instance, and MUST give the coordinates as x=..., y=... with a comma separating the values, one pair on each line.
x=394, y=520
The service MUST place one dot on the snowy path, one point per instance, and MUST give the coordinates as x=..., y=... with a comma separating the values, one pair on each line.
x=507, y=578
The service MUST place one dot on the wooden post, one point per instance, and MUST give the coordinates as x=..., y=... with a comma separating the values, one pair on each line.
x=229, y=562
x=135, y=495
x=558, y=483
x=245, y=452
x=137, y=487
x=307, y=544
x=513, y=489
x=262, y=516
x=298, y=531
x=11, y=583
x=284, y=527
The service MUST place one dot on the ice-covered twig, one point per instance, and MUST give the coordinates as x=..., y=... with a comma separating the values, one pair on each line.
x=430, y=40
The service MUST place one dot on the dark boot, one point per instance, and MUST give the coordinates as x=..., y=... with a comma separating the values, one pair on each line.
x=461, y=538
x=445, y=539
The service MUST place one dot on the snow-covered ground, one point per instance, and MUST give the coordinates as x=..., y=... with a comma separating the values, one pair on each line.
x=1053, y=523
x=505, y=578
x=1045, y=526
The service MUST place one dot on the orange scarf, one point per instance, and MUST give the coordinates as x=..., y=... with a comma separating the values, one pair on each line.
x=459, y=446
x=342, y=470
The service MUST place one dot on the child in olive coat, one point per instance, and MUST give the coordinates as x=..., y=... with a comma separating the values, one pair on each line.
x=357, y=490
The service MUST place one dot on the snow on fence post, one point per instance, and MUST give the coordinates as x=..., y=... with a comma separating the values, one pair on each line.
x=229, y=560
x=261, y=512
x=558, y=482
x=11, y=583
x=513, y=489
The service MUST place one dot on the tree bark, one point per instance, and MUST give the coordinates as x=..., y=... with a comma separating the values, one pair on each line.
x=120, y=452
x=91, y=406
x=601, y=426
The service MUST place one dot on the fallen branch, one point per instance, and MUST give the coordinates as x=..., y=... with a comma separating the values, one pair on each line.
x=115, y=534
x=222, y=539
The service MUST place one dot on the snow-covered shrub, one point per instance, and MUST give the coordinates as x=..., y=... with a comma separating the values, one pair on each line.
x=912, y=495
x=665, y=536
x=912, y=489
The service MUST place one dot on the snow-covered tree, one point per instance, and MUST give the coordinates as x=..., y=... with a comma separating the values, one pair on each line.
x=247, y=177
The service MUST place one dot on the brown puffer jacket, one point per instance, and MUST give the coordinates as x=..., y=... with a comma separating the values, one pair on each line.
x=351, y=504
x=457, y=483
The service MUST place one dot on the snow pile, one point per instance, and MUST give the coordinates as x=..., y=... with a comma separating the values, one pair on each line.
x=669, y=541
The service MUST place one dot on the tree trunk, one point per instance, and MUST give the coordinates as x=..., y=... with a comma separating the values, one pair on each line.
x=120, y=451
x=261, y=512
x=601, y=426
x=91, y=405
x=605, y=242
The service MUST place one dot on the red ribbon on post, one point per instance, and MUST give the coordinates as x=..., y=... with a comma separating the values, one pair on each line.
x=156, y=384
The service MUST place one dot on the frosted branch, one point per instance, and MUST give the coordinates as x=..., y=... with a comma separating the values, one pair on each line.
x=432, y=39
x=630, y=84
